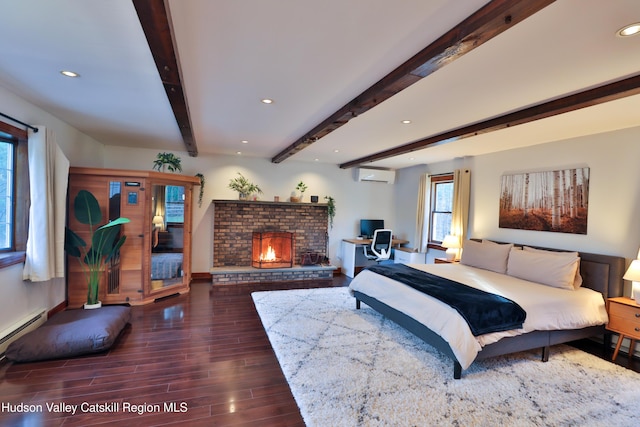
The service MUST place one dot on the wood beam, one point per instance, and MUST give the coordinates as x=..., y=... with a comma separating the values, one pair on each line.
x=588, y=98
x=155, y=21
x=487, y=22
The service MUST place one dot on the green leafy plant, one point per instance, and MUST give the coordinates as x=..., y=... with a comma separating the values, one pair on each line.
x=301, y=187
x=167, y=160
x=331, y=209
x=243, y=186
x=105, y=241
x=201, y=177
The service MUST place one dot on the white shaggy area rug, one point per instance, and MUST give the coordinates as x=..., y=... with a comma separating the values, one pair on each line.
x=349, y=367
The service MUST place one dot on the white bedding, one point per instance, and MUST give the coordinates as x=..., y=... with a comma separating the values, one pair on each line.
x=547, y=308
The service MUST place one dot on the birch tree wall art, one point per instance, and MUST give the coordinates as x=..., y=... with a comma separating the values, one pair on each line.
x=546, y=201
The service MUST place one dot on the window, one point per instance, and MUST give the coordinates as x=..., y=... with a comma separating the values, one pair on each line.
x=174, y=204
x=441, y=206
x=6, y=194
x=14, y=193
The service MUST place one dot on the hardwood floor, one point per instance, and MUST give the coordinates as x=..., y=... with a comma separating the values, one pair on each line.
x=204, y=352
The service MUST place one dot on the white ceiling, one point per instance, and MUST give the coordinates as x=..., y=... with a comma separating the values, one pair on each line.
x=313, y=58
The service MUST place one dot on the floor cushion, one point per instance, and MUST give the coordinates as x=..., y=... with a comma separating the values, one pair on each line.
x=71, y=333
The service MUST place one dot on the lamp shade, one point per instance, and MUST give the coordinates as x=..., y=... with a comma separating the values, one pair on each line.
x=158, y=221
x=633, y=272
x=451, y=242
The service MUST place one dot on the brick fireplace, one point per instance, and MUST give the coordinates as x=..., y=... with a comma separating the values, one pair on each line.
x=235, y=222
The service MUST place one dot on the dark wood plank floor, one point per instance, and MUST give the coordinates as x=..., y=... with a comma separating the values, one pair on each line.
x=204, y=352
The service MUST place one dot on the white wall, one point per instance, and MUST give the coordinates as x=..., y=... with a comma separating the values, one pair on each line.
x=614, y=191
x=354, y=200
x=23, y=298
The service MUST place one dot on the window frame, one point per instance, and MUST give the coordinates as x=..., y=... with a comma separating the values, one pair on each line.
x=21, y=198
x=435, y=180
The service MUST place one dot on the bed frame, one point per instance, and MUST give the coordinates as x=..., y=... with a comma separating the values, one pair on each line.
x=602, y=273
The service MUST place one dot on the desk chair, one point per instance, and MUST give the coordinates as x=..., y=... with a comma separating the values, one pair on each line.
x=380, y=249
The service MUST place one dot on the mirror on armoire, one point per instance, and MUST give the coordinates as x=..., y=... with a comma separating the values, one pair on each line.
x=167, y=242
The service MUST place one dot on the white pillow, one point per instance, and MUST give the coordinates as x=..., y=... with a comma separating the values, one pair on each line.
x=577, y=280
x=545, y=268
x=486, y=255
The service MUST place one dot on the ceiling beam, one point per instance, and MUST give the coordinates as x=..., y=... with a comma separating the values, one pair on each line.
x=156, y=24
x=487, y=22
x=588, y=98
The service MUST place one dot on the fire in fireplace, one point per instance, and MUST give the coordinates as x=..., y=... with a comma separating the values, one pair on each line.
x=272, y=249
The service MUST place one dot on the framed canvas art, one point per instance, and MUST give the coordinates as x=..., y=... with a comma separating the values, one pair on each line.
x=555, y=201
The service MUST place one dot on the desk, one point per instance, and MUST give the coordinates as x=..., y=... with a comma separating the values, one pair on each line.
x=353, y=254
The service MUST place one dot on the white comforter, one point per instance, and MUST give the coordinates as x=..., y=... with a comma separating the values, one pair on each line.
x=547, y=308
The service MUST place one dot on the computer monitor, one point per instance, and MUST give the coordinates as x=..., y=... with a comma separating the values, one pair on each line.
x=369, y=226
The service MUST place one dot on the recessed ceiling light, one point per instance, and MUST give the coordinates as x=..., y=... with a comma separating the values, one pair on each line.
x=244, y=141
x=629, y=30
x=69, y=73
x=238, y=152
x=406, y=122
x=267, y=101
x=336, y=151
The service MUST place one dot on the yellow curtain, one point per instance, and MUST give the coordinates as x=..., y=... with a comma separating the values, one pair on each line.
x=460, y=210
x=424, y=204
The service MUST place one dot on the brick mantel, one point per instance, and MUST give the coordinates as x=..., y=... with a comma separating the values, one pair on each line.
x=234, y=221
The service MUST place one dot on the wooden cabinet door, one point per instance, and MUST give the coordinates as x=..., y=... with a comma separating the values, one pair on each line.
x=133, y=206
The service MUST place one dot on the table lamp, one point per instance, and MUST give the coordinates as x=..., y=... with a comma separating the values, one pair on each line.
x=633, y=274
x=452, y=243
x=158, y=221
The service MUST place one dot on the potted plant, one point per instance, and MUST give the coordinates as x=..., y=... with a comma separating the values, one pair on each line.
x=105, y=242
x=244, y=187
x=301, y=187
x=202, y=180
x=331, y=209
x=167, y=160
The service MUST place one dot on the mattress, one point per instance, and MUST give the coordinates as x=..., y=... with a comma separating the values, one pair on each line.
x=547, y=308
x=166, y=265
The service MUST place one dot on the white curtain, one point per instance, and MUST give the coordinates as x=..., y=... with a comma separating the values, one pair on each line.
x=460, y=210
x=48, y=180
x=424, y=205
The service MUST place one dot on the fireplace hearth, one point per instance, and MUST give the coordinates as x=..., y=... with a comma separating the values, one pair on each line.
x=272, y=249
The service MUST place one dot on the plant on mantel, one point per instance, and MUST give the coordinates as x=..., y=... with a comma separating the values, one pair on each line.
x=244, y=187
x=301, y=187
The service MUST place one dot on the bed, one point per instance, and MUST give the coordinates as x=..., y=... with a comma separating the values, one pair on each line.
x=166, y=265
x=439, y=325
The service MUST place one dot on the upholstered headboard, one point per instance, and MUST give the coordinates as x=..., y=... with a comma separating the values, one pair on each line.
x=603, y=273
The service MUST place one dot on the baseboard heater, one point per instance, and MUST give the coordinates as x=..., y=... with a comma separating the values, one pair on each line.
x=27, y=324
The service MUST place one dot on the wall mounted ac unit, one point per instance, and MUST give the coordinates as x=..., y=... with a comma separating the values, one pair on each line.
x=376, y=175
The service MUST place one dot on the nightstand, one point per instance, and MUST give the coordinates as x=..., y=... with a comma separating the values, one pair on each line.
x=624, y=318
x=444, y=261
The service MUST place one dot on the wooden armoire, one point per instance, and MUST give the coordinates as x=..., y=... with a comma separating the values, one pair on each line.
x=155, y=260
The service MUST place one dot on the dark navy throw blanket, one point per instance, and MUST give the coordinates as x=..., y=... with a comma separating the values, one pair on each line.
x=484, y=312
